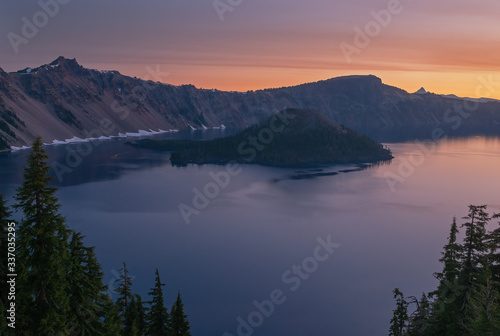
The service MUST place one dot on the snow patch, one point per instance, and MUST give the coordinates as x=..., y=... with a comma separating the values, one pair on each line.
x=140, y=133
x=14, y=148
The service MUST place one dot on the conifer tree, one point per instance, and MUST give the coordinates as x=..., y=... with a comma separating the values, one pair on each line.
x=493, y=245
x=473, y=258
x=42, y=251
x=399, y=319
x=85, y=286
x=158, y=317
x=124, y=290
x=130, y=319
x=484, y=307
x=141, y=315
x=419, y=320
x=179, y=324
x=110, y=314
x=448, y=296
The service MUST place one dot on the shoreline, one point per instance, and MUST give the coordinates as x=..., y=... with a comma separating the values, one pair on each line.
x=120, y=135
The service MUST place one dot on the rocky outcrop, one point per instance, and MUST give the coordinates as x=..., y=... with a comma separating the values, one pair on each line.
x=62, y=99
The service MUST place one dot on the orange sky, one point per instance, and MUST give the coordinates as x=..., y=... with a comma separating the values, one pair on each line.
x=445, y=46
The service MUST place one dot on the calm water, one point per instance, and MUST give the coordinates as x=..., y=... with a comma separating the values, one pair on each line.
x=391, y=222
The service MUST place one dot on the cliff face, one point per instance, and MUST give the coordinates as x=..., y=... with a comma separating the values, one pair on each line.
x=62, y=99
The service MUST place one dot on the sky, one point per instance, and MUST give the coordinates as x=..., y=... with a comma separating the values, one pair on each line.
x=446, y=46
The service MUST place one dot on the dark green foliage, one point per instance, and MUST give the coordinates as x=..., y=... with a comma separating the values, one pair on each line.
x=158, y=318
x=399, y=319
x=449, y=294
x=6, y=129
x=59, y=283
x=110, y=312
x=3, y=143
x=67, y=116
x=141, y=315
x=473, y=258
x=419, y=320
x=493, y=244
x=134, y=323
x=12, y=119
x=130, y=320
x=85, y=286
x=42, y=251
x=124, y=290
x=467, y=300
x=293, y=137
x=179, y=324
x=484, y=307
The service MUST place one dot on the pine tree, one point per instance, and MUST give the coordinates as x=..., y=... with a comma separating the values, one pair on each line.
x=124, y=290
x=130, y=319
x=419, y=320
x=157, y=318
x=399, y=319
x=42, y=251
x=493, y=244
x=179, y=324
x=110, y=314
x=473, y=258
x=141, y=315
x=85, y=286
x=484, y=307
x=447, y=303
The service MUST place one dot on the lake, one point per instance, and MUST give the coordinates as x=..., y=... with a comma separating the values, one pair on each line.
x=273, y=251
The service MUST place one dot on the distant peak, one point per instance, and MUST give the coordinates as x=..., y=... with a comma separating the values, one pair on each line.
x=421, y=91
x=362, y=77
x=63, y=60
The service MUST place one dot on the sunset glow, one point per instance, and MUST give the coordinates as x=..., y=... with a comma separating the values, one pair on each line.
x=446, y=47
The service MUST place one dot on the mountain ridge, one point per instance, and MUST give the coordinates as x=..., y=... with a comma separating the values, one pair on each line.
x=62, y=99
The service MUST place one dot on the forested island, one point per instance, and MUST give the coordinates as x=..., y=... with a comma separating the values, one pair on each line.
x=291, y=138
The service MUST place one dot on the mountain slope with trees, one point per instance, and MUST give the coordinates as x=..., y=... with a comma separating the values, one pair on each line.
x=63, y=99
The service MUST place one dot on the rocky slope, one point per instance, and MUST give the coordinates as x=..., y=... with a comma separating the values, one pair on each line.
x=62, y=100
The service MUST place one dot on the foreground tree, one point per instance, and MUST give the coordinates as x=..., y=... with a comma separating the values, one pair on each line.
x=179, y=324
x=419, y=320
x=157, y=318
x=484, y=307
x=467, y=300
x=85, y=287
x=400, y=315
x=42, y=251
x=59, y=283
x=448, y=298
x=473, y=259
x=110, y=313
